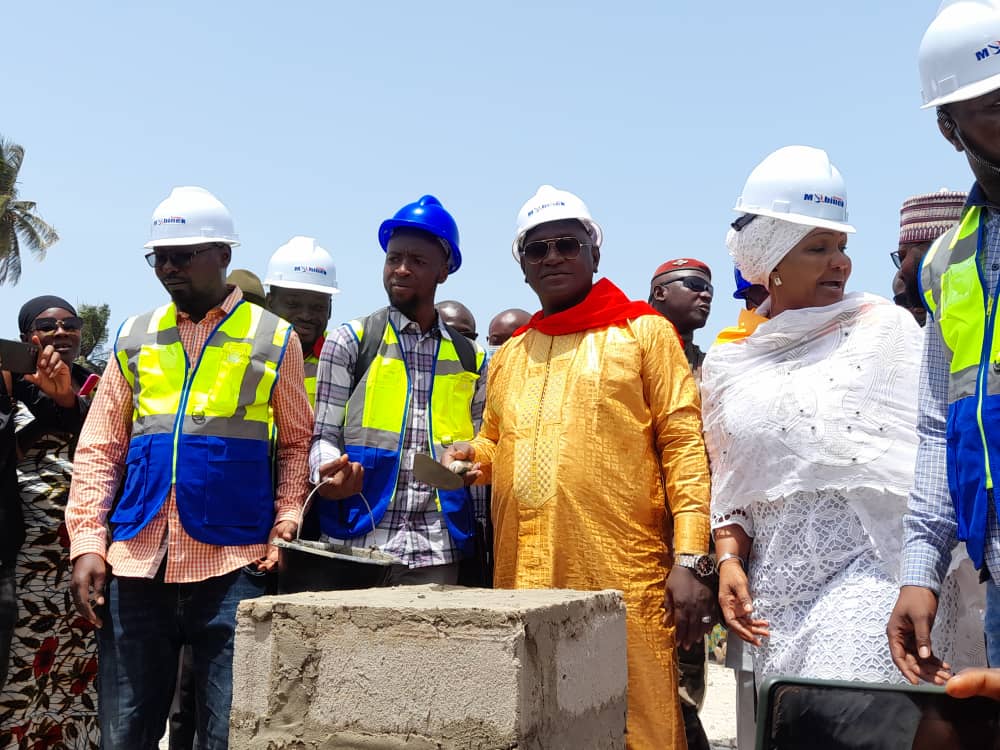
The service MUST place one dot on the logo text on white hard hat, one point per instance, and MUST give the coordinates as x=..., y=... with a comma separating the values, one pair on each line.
x=169, y=220
x=832, y=200
x=990, y=50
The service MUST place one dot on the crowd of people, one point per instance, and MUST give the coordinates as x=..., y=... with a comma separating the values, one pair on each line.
x=820, y=480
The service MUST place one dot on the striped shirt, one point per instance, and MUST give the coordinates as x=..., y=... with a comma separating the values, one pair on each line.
x=930, y=527
x=412, y=529
x=100, y=459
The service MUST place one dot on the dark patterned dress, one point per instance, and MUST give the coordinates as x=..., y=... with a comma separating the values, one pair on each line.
x=49, y=700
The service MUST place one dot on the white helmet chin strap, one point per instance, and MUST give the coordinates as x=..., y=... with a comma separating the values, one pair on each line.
x=974, y=155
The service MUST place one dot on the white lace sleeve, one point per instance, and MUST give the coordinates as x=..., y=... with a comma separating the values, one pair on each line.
x=742, y=517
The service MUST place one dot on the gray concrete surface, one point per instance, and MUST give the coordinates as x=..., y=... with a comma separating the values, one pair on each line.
x=430, y=667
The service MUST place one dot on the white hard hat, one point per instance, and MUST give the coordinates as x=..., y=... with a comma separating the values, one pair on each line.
x=302, y=264
x=959, y=56
x=797, y=184
x=191, y=216
x=549, y=204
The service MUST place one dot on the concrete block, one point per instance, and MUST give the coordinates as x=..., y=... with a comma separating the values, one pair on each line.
x=430, y=668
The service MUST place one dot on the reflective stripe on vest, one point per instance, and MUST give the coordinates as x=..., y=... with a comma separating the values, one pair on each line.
x=311, y=364
x=955, y=292
x=205, y=430
x=375, y=417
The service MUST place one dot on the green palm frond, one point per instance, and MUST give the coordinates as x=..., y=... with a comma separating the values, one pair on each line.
x=11, y=157
x=36, y=235
x=20, y=226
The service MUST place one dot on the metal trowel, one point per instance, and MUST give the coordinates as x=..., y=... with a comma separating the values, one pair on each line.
x=429, y=471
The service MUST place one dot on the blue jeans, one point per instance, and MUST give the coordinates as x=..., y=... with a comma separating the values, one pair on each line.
x=993, y=622
x=145, y=623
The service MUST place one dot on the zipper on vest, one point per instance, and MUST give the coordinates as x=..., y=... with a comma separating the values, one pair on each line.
x=189, y=374
x=406, y=410
x=430, y=416
x=985, y=360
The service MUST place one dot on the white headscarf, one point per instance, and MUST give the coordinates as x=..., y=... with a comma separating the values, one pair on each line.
x=760, y=246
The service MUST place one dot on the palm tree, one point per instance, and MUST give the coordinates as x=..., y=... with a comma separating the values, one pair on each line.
x=19, y=225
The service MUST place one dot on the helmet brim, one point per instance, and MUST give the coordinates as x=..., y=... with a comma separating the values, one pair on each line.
x=303, y=286
x=390, y=225
x=963, y=93
x=187, y=241
x=801, y=219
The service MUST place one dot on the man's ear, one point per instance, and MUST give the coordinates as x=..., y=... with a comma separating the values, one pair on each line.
x=25, y=338
x=595, y=253
x=949, y=129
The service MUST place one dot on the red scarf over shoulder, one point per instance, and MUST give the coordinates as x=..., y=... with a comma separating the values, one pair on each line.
x=605, y=305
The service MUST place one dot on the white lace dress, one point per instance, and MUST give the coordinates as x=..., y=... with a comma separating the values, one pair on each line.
x=818, y=580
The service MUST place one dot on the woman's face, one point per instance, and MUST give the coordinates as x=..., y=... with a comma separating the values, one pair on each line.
x=813, y=274
x=61, y=329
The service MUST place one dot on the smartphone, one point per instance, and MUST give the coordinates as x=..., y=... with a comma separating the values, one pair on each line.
x=803, y=714
x=18, y=357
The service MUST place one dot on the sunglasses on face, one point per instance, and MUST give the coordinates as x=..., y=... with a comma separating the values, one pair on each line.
x=178, y=259
x=49, y=325
x=695, y=283
x=567, y=247
x=897, y=259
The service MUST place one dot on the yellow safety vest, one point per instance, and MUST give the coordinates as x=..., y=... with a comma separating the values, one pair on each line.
x=204, y=429
x=955, y=293
x=375, y=419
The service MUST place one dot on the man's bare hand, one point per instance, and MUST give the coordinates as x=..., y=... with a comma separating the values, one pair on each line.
x=340, y=478
x=909, y=633
x=692, y=601
x=462, y=452
x=89, y=575
x=282, y=530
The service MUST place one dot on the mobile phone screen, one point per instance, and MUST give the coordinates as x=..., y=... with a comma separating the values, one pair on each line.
x=18, y=357
x=839, y=716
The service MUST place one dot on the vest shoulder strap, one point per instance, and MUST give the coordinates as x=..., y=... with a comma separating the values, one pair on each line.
x=372, y=331
x=465, y=349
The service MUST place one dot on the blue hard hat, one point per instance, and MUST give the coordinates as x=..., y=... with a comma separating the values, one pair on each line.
x=741, y=285
x=428, y=215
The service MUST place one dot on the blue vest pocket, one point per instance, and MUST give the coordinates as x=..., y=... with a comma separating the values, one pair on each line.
x=129, y=508
x=238, y=488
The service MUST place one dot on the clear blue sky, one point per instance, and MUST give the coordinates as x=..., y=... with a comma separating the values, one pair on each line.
x=322, y=118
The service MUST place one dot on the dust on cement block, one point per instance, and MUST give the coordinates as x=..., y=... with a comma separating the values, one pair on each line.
x=433, y=667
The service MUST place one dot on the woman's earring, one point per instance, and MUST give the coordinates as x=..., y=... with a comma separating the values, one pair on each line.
x=777, y=279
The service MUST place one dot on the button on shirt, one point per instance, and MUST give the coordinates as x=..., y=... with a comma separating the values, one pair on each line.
x=930, y=526
x=412, y=529
x=100, y=457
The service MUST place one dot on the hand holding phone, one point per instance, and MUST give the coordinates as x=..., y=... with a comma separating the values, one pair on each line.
x=18, y=357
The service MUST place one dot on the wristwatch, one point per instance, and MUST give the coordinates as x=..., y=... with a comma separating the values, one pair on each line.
x=701, y=565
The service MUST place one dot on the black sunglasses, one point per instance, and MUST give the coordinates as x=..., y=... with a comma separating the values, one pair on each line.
x=897, y=259
x=178, y=259
x=694, y=283
x=48, y=325
x=567, y=247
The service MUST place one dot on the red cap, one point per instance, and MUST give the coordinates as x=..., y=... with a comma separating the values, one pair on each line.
x=683, y=264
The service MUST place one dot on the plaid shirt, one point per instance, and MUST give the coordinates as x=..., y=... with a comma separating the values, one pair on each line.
x=100, y=459
x=929, y=528
x=412, y=529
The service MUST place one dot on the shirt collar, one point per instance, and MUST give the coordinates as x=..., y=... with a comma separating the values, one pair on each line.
x=403, y=323
x=234, y=297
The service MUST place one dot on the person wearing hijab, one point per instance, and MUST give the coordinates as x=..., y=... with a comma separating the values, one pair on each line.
x=810, y=424
x=49, y=698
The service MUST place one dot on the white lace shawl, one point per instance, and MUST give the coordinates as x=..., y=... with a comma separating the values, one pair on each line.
x=817, y=399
